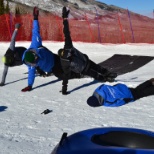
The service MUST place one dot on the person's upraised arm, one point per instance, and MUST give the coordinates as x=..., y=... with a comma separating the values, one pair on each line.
x=13, y=38
x=36, y=37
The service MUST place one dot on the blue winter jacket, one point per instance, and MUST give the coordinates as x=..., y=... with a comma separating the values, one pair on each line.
x=115, y=95
x=45, y=57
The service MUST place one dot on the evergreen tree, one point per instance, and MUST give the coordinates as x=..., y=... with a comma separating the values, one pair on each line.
x=2, y=8
x=7, y=9
x=17, y=11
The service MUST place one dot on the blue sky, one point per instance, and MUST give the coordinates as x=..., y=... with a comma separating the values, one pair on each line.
x=144, y=7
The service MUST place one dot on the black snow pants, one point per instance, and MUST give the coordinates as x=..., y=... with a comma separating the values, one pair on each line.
x=144, y=89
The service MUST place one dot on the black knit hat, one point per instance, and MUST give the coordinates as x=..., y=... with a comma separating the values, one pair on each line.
x=29, y=57
x=93, y=101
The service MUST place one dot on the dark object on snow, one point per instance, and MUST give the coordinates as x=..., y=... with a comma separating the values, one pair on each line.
x=3, y=108
x=46, y=111
x=122, y=64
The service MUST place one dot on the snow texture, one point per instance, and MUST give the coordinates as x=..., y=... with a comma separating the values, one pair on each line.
x=24, y=130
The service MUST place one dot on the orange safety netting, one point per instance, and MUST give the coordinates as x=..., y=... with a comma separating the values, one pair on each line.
x=111, y=27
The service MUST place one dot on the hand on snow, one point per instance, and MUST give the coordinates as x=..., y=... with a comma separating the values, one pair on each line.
x=65, y=12
x=2, y=84
x=29, y=88
x=64, y=90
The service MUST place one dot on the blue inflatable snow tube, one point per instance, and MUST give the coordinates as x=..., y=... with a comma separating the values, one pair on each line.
x=110, y=140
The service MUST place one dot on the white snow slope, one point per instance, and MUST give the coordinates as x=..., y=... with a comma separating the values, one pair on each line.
x=24, y=130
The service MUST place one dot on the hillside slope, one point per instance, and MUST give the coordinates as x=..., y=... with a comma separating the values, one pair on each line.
x=80, y=7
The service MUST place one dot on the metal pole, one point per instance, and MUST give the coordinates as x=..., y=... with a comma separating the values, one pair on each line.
x=131, y=26
x=99, y=37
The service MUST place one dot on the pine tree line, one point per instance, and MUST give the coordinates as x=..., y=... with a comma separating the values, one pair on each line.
x=6, y=9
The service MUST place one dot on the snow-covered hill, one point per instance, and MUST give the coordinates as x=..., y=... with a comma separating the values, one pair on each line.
x=54, y=6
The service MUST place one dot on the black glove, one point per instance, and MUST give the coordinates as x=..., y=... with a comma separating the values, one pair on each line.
x=65, y=12
x=29, y=88
x=2, y=84
x=35, y=13
x=64, y=90
x=17, y=26
x=46, y=111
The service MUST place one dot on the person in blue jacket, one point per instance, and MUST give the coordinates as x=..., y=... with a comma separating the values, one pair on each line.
x=39, y=56
x=120, y=94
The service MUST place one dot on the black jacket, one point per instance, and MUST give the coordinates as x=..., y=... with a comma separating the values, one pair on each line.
x=16, y=56
x=71, y=58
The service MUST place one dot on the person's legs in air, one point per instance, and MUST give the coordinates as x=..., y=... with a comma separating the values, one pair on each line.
x=100, y=73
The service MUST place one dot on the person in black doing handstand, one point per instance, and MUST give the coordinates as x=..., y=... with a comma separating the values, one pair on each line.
x=73, y=60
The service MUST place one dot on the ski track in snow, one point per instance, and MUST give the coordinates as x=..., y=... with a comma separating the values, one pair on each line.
x=24, y=130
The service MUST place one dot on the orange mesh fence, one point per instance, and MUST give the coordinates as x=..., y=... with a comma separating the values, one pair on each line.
x=4, y=28
x=110, y=27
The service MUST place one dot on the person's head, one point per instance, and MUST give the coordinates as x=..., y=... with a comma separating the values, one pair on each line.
x=95, y=100
x=8, y=60
x=30, y=57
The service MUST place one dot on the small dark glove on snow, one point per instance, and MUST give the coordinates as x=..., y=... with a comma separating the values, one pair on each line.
x=65, y=12
x=17, y=26
x=46, y=111
x=29, y=88
x=35, y=13
x=2, y=84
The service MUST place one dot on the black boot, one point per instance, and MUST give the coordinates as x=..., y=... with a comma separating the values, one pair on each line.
x=110, y=77
x=101, y=78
